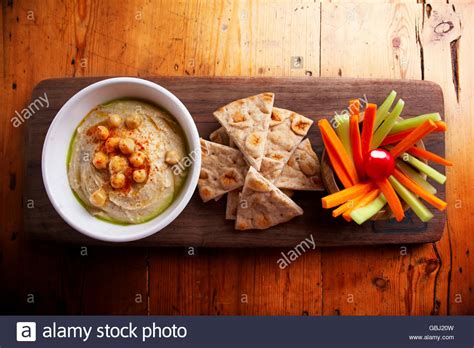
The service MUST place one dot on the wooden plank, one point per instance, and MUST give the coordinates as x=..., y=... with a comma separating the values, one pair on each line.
x=406, y=282
x=447, y=39
x=197, y=281
x=198, y=225
x=369, y=40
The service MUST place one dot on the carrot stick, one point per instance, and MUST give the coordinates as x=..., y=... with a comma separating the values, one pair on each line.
x=419, y=191
x=366, y=199
x=337, y=165
x=430, y=156
x=354, y=107
x=332, y=141
x=392, y=198
x=356, y=145
x=368, y=128
x=343, y=196
x=395, y=138
x=412, y=138
x=441, y=126
x=344, y=207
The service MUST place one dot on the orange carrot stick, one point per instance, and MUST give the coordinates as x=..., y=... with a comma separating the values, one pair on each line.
x=412, y=138
x=441, y=126
x=368, y=128
x=356, y=145
x=392, y=198
x=343, y=196
x=418, y=190
x=331, y=140
x=337, y=166
x=354, y=107
x=430, y=156
x=395, y=138
x=348, y=205
x=366, y=199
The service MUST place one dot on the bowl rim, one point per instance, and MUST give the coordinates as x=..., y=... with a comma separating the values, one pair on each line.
x=162, y=220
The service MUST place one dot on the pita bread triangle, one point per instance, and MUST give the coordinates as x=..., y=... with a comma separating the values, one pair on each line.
x=223, y=169
x=302, y=171
x=286, y=131
x=247, y=121
x=263, y=205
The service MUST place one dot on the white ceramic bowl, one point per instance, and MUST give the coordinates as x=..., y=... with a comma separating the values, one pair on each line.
x=56, y=146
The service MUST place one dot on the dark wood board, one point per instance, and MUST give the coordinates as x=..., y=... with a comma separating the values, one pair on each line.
x=204, y=224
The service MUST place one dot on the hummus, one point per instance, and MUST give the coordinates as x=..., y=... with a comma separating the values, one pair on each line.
x=124, y=161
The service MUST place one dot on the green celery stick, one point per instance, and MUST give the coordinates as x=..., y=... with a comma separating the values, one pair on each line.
x=338, y=121
x=414, y=122
x=344, y=135
x=363, y=214
x=418, y=207
x=415, y=176
x=424, y=168
x=387, y=124
x=382, y=111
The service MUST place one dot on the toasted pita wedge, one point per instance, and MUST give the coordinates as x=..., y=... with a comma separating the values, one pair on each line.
x=263, y=205
x=271, y=168
x=302, y=172
x=247, y=121
x=220, y=136
x=233, y=199
x=287, y=130
x=223, y=169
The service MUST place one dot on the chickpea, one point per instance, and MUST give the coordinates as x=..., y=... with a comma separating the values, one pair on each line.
x=133, y=121
x=102, y=133
x=171, y=157
x=118, y=164
x=98, y=198
x=139, y=175
x=137, y=159
x=112, y=144
x=127, y=146
x=115, y=120
x=100, y=160
x=118, y=180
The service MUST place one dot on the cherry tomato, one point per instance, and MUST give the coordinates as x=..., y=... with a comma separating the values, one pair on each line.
x=379, y=164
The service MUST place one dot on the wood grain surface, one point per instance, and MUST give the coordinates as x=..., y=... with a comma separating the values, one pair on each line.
x=52, y=38
x=204, y=225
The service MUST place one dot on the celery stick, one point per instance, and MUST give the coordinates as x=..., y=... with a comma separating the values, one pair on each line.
x=387, y=124
x=363, y=214
x=415, y=176
x=382, y=111
x=345, y=136
x=414, y=122
x=424, y=168
x=418, y=207
x=338, y=122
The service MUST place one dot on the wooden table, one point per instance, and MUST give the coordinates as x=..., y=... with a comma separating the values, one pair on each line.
x=214, y=38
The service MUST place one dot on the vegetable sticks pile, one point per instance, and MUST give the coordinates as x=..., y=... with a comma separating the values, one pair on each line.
x=349, y=146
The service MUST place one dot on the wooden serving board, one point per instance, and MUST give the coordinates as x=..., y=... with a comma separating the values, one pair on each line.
x=204, y=224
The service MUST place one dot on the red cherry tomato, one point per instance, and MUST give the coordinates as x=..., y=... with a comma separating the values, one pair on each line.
x=379, y=164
